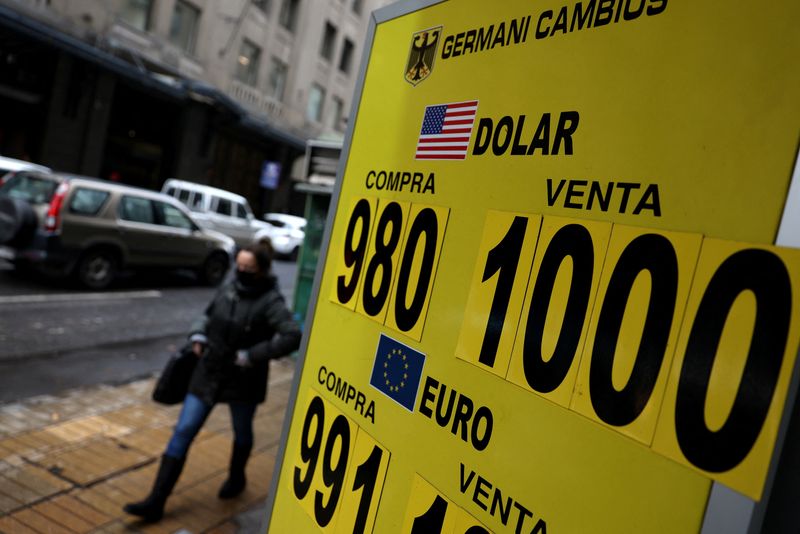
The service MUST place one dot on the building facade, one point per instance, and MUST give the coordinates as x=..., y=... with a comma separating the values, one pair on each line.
x=202, y=90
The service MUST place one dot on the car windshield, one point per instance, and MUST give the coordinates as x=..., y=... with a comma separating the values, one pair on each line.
x=28, y=187
x=275, y=222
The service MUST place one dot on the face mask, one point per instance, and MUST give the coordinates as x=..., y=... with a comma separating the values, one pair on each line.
x=245, y=278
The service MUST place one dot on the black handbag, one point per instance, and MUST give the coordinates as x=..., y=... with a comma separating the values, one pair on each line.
x=173, y=384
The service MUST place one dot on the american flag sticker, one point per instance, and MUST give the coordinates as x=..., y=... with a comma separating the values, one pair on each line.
x=446, y=129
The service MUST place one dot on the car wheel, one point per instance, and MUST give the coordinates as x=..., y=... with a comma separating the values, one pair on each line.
x=97, y=268
x=17, y=222
x=214, y=269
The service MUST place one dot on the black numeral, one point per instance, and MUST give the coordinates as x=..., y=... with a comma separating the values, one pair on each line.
x=333, y=474
x=573, y=241
x=765, y=275
x=432, y=520
x=354, y=252
x=425, y=223
x=366, y=476
x=504, y=258
x=385, y=246
x=655, y=254
x=309, y=452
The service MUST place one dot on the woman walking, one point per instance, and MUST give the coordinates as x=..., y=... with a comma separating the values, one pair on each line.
x=245, y=326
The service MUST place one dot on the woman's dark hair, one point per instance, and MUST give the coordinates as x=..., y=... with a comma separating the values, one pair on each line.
x=263, y=253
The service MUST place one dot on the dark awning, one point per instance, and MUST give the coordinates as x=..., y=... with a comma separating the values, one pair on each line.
x=174, y=88
x=47, y=35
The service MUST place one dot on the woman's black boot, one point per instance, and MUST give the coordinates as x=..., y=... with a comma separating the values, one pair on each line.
x=236, y=481
x=152, y=508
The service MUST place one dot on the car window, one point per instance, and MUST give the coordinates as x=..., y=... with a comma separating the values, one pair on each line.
x=171, y=191
x=241, y=213
x=136, y=209
x=172, y=216
x=87, y=201
x=223, y=206
x=196, y=202
x=275, y=222
x=183, y=196
x=28, y=187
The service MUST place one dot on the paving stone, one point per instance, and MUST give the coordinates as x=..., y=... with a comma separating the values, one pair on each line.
x=117, y=527
x=192, y=515
x=9, y=525
x=81, y=509
x=37, y=480
x=42, y=412
x=108, y=437
x=151, y=441
x=51, y=441
x=4, y=452
x=106, y=426
x=8, y=503
x=15, y=446
x=216, y=449
x=70, y=431
x=138, y=481
x=32, y=442
x=139, y=416
x=93, y=460
x=96, y=498
x=12, y=420
x=91, y=426
x=40, y=523
x=17, y=491
x=206, y=493
x=63, y=517
x=198, y=468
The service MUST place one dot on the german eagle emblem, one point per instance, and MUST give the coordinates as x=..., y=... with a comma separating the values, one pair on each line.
x=423, y=52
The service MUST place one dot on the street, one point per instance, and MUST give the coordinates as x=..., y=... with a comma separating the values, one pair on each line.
x=55, y=336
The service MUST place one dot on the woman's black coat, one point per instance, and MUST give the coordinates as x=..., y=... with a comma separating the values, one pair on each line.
x=251, y=318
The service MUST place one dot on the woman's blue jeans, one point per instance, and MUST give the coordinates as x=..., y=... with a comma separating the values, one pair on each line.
x=195, y=412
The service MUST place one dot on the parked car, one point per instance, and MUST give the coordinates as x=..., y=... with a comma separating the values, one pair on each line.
x=286, y=232
x=217, y=209
x=9, y=166
x=65, y=224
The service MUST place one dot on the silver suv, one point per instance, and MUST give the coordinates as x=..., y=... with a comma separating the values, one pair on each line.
x=65, y=224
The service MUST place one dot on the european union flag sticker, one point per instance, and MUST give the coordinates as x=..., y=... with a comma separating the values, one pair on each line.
x=397, y=371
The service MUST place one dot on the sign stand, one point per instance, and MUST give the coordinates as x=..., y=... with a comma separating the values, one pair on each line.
x=546, y=259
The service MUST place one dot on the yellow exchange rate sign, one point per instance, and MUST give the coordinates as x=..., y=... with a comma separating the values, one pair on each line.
x=550, y=298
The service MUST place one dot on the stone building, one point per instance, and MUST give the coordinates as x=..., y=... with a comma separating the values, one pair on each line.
x=202, y=90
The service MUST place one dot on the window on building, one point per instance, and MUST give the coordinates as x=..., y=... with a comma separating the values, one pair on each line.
x=263, y=5
x=316, y=96
x=247, y=63
x=333, y=116
x=346, y=60
x=185, y=21
x=136, y=13
x=277, y=78
x=288, y=16
x=328, y=41
x=358, y=6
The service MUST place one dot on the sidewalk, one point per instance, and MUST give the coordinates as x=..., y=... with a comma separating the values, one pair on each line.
x=68, y=464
